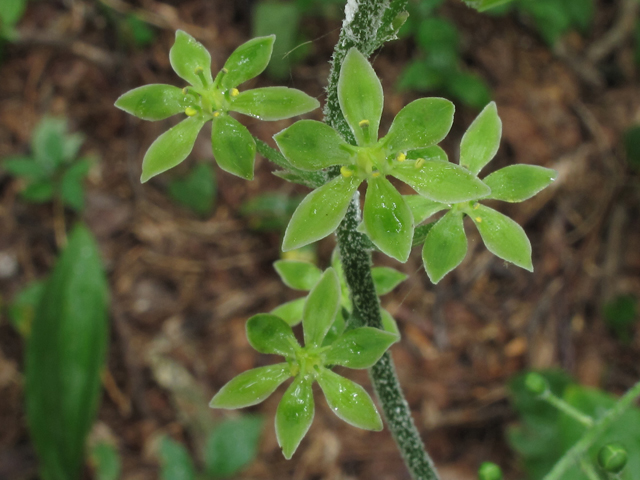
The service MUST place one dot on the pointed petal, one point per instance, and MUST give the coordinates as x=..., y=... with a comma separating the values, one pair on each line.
x=273, y=103
x=251, y=387
x=360, y=347
x=270, y=334
x=320, y=308
x=233, y=146
x=294, y=415
x=481, y=141
x=247, y=61
x=186, y=55
x=445, y=246
x=517, y=183
x=153, y=102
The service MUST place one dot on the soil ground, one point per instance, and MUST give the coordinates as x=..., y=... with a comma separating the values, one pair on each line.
x=183, y=287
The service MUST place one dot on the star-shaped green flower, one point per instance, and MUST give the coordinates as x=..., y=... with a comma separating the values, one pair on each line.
x=358, y=348
x=446, y=243
x=388, y=220
x=207, y=98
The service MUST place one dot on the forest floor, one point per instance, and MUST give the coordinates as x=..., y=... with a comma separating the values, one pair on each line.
x=182, y=287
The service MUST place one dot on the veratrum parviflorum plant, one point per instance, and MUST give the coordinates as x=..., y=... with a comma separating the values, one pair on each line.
x=207, y=98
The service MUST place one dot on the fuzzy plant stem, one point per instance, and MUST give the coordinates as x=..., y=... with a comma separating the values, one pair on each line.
x=576, y=453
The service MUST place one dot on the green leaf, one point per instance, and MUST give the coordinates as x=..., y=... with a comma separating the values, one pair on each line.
x=251, y=387
x=24, y=167
x=71, y=185
x=469, y=88
x=247, y=61
x=503, y=237
x=337, y=327
x=320, y=308
x=11, y=12
x=22, y=310
x=197, y=190
x=313, y=145
x=294, y=415
x=389, y=323
x=186, y=55
x=298, y=275
x=65, y=356
x=232, y=446
x=420, y=76
x=175, y=461
x=273, y=103
x=441, y=182
x=481, y=141
x=517, y=183
x=420, y=233
x=349, y=401
x=445, y=246
x=154, y=102
x=434, y=152
x=320, y=213
x=360, y=347
x=422, y=208
x=71, y=146
x=291, y=312
x=360, y=96
x=422, y=123
x=233, y=146
x=171, y=148
x=38, y=192
x=106, y=461
x=386, y=279
x=270, y=334
x=631, y=138
x=47, y=143
x=387, y=219
x=436, y=34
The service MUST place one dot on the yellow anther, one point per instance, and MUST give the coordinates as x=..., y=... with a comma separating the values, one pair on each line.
x=363, y=123
x=375, y=174
x=224, y=70
x=346, y=172
x=190, y=111
x=419, y=163
x=478, y=219
x=216, y=114
x=235, y=92
x=198, y=70
x=401, y=157
x=185, y=91
x=476, y=206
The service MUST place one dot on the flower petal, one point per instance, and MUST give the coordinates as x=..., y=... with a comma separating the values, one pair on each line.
x=270, y=334
x=445, y=246
x=233, y=146
x=153, y=102
x=320, y=308
x=247, y=61
x=294, y=415
x=481, y=141
x=273, y=103
x=251, y=387
x=186, y=55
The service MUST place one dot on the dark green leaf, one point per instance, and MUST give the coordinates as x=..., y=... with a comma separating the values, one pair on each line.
x=38, y=192
x=65, y=355
x=270, y=334
x=233, y=445
x=273, y=103
x=24, y=167
x=247, y=61
x=106, y=461
x=360, y=347
x=389, y=323
x=387, y=219
x=154, y=102
x=360, y=96
x=631, y=136
x=11, y=12
x=445, y=246
x=294, y=415
x=386, y=279
x=175, y=461
x=420, y=233
x=197, y=190
x=233, y=146
x=171, y=148
x=420, y=76
x=22, y=310
x=251, y=387
x=187, y=56
x=320, y=308
x=469, y=88
x=71, y=186
x=517, y=183
x=47, y=142
x=298, y=275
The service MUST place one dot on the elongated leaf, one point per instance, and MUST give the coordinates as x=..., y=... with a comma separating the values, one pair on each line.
x=71, y=186
x=38, y=192
x=422, y=123
x=388, y=219
x=503, y=237
x=251, y=387
x=273, y=103
x=349, y=401
x=386, y=279
x=312, y=145
x=233, y=445
x=420, y=233
x=175, y=461
x=422, y=208
x=517, y=183
x=291, y=312
x=11, y=12
x=233, y=146
x=320, y=213
x=47, y=142
x=270, y=334
x=154, y=102
x=320, y=308
x=360, y=96
x=65, y=355
x=445, y=246
x=22, y=310
x=481, y=141
x=106, y=461
x=294, y=415
x=196, y=190
x=186, y=55
x=171, y=148
x=297, y=274
x=247, y=61
x=441, y=182
x=24, y=167
x=389, y=323
x=360, y=347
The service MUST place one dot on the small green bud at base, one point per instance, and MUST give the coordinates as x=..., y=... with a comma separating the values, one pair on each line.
x=536, y=384
x=489, y=471
x=612, y=458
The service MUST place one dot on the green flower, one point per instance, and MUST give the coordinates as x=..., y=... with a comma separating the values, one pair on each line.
x=207, y=98
x=446, y=243
x=388, y=220
x=358, y=348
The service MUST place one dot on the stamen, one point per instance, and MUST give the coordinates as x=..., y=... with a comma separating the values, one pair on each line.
x=375, y=174
x=190, y=111
x=363, y=123
x=216, y=114
x=401, y=157
x=419, y=163
x=199, y=71
x=235, y=92
x=346, y=172
x=478, y=219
